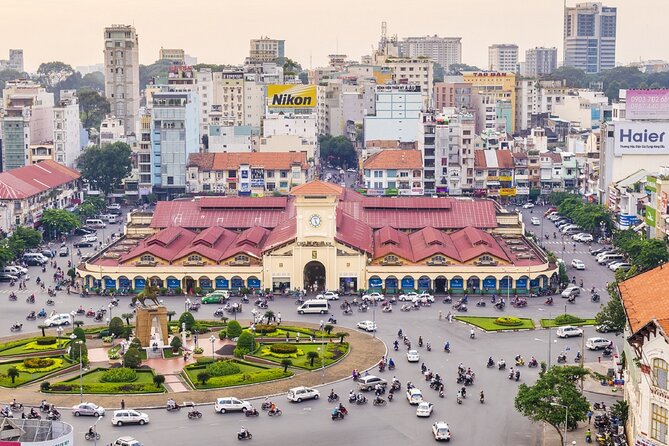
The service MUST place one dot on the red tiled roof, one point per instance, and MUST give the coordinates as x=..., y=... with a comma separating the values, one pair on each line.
x=317, y=188
x=354, y=233
x=471, y=243
x=644, y=298
x=283, y=233
x=28, y=181
x=395, y=159
x=242, y=202
x=479, y=159
x=389, y=240
x=232, y=160
x=166, y=244
x=248, y=242
x=504, y=159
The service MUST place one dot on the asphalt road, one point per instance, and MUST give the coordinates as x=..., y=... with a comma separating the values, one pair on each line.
x=395, y=424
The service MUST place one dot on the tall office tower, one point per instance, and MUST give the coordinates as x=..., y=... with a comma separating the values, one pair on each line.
x=539, y=61
x=265, y=50
x=122, y=74
x=590, y=37
x=503, y=57
x=16, y=60
x=445, y=51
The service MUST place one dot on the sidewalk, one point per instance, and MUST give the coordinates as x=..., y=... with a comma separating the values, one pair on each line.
x=364, y=353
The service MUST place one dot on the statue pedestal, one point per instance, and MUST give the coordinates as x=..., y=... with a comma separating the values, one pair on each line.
x=151, y=325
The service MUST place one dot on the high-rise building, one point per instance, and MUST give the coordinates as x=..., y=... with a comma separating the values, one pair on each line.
x=122, y=74
x=66, y=128
x=16, y=60
x=590, y=37
x=176, y=55
x=266, y=50
x=503, y=57
x=494, y=98
x=445, y=51
x=539, y=61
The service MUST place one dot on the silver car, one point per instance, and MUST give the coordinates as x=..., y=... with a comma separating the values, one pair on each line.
x=88, y=409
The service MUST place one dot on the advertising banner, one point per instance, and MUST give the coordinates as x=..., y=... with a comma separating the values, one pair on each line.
x=457, y=283
x=222, y=283
x=407, y=283
x=424, y=283
x=237, y=283
x=507, y=192
x=641, y=138
x=650, y=216
x=110, y=284
x=291, y=96
x=254, y=283
x=375, y=282
x=391, y=283
x=647, y=104
x=173, y=283
x=140, y=283
x=257, y=178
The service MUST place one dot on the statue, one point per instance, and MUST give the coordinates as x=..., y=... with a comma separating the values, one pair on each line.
x=149, y=293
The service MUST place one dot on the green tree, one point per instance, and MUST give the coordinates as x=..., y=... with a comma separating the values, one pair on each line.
x=269, y=315
x=92, y=108
x=106, y=166
x=246, y=341
x=458, y=68
x=116, y=326
x=52, y=73
x=127, y=317
x=653, y=253
x=31, y=237
x=158, y=380
x=286, y=363
x=234, y=329
x=328, y=328
x=341, y=335
x=147, y=73
x=546, y=399
x=132, y=358
x=613, y=314
x=620, y=409
x=176, y=343
x=58, y=221
x=312, y=356
x=573, y=77
x=188, y=319
x=77, y=348
x=337, y=151
x=80, y=334
x=291, y=67
x=12, y=373
x=203, y=377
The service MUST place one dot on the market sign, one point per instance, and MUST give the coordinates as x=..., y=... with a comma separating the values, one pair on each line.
x=291, y=96
x=647, y=104
x=641, y=138
x=507, y=192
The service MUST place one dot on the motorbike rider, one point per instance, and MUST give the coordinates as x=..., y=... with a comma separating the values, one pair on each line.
x=420, y=341
x=378, y=389
x=428, y=346
x=33, y=412
x=171, y=404
x=447, y=347
x=482, y=397
x=501, y=364
x=588, y=436
x=351, y=395
x=491, y=362
x=471, y=333
x=333, y=395
x=517, y=375
x=396, y=345
x=391, y=363
x=578, y=356
x=243, y=432
x=533, y=360
x=91, y=431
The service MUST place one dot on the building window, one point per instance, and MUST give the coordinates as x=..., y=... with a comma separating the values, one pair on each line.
x=242, y=259
x=147, y=258
x=439, y=259
x=660, y=372
x=195, y=258
x=391, y=259
x=658, y=424
x=486, y=259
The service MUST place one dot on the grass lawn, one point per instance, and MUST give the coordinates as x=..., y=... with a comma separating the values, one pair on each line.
x=26, y=377
x=29, y=345
x=249, y=374
x=292, y=332
x=488, y=323
x=546, y=323
x=334, y=352
x=92, y=384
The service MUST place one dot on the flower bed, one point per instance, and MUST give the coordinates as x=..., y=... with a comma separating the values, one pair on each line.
x=248, y=374
x=334, y=351
x=32, y=345
x=93, y=383
x=30, y=374
x=491, y=323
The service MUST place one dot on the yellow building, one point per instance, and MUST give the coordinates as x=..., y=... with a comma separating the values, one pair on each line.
x=324, y=237
x=493, y=87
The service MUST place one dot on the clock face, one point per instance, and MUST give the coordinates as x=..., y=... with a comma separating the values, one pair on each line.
x=315, y=220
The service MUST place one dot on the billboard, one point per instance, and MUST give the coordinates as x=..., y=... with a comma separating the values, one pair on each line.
x=647, y=104
x=641, y=138
x=291, y=96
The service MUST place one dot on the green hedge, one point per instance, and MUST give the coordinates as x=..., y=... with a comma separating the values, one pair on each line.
x=47, y=340
x=283, y=348
x=222, y=368
x=509, y=321
x=40, y=365
x=106, y=388
x=119, y=375
x=567, y=319
x=261, y=374
x=265, y=328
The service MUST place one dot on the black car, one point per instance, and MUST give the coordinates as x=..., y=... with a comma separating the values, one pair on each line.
x=83, y=231
x=83, y=244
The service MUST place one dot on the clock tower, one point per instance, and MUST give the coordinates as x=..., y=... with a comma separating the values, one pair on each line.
x=316, y=211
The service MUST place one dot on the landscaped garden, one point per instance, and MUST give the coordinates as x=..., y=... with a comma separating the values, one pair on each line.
x=303, y=355
x=23, y=371
x=113, y=380
x=566, y=319
x=498, y=323
x=210, y=374
x=32, y=345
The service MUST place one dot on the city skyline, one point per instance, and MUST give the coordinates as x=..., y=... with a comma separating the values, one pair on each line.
x=309, y=41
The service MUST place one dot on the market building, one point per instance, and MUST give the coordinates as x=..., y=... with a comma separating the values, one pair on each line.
x=321, y=237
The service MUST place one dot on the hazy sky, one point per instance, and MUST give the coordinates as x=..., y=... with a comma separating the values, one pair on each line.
x=218, y=31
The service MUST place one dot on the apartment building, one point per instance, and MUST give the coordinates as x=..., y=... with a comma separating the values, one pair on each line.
x=394, y=172
x=445, y=51
x=503, y=57
x=121, y=70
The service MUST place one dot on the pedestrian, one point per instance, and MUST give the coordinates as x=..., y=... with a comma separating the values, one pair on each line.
x=589, y=416
x=297, y=336
x=321, y=327
x=450, y=318
x=439, y=314
x=278, y=318
x=122, y=404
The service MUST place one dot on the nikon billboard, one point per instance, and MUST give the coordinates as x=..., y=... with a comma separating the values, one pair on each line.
x=291, y=96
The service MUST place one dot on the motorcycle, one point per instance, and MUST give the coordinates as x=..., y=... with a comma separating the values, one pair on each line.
x=448, y=300
x=549, y=301
x=607, y=352
x=50, y=302
x=380, y=402
x=501, y=365
x=561, y=359
x=30, y=300
x=174, y=408
x=252, y=412
x=387, y=309
x=274, y=413
x=533, y=363
x=338, y=414
x=266, y=405
x=41, y=314
x=490, y=363
x=12, y=296
x=499, y=305
x=31, y=316
x=81, y=311
x=244, y=435
x=360, y=399
x=91, y=436
x=405, y=308
x=16, y=407
x=193, y=414
x=600, y=406
x=90, y=313
x=571, y=299
x=480, y=303
x=520, y=361
x=33, y=416
x=333, y=397
x=16, y=327
x=594, y=297
x=53, y=415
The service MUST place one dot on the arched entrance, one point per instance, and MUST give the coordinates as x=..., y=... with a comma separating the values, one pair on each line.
x=314, y=276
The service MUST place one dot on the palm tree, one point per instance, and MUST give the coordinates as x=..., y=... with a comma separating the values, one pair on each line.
x=170, y=314
x=203, y=377
x=311, y=356
x=269, y=315
x=158, y=380
x=328, y=329
x=286, y=363
x=78, y=323
x=43, y=327
x=13, y=373
x=341, y=335
x=127, y=317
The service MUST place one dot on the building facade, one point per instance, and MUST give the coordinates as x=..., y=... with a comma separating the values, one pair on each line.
x=413, y=71
x=539, y=62
x=67, y=128
x=493, y=89
x=175, y=55
x=323, y=237
x=503, y=57
x=590, y=37
x=445, y=51
x=397, y=116
x=265, y=50
x=121, y=70
x=393, y=170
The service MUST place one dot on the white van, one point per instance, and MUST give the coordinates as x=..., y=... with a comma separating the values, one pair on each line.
x=95, y=223
x=14, y=271
x=314, y=306
x=110, y=218
x=58, y=319
x=603, y=259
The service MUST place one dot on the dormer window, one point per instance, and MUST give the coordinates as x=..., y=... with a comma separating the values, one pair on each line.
x=242, y=259
x=195, y=258
x=438, y=259
x=147, y=258
x=391, y=260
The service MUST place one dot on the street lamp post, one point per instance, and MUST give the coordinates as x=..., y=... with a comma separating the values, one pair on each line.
x=59, y=330
x=187, y=303
x=74, y=339
x=566, y=416
x=212, y=339
x=111, y=306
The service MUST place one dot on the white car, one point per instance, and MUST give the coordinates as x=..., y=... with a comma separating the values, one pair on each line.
x=413, y=356
x=535, y=221
x=410, y=296
x=618, y=265
x=231, y=404
x=88, y=409
x=597, y=343
x=582, y=237
x=367, y=325
x=528, y=205
x=329, y=295
x=414, y=396
x=578, y=264
x=424, y=297
x=299, y=394
x=129, y=416
x=424, y=409
x=89, y=238
x=569, y=331
x=373, y=296
x=441, y=431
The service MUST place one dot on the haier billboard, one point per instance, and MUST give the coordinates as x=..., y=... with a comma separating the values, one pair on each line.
x=641, y=138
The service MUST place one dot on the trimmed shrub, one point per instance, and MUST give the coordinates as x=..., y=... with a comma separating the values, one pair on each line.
x=283, y=348
x=265, y=328
x=38, y=363
x=116, y=326
x=176, y=343
x=198, y=350
x=240, y=352
x=566, y=319
x=508, y=321
x=204, y=360
x=132, y=358
x=247, y=340
x=79, y=333
x=188, y=319
x=47, y=340
x=44, y=386
x=119, y=375
x=223, y=368
x=234, y=329
x=222, y=334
